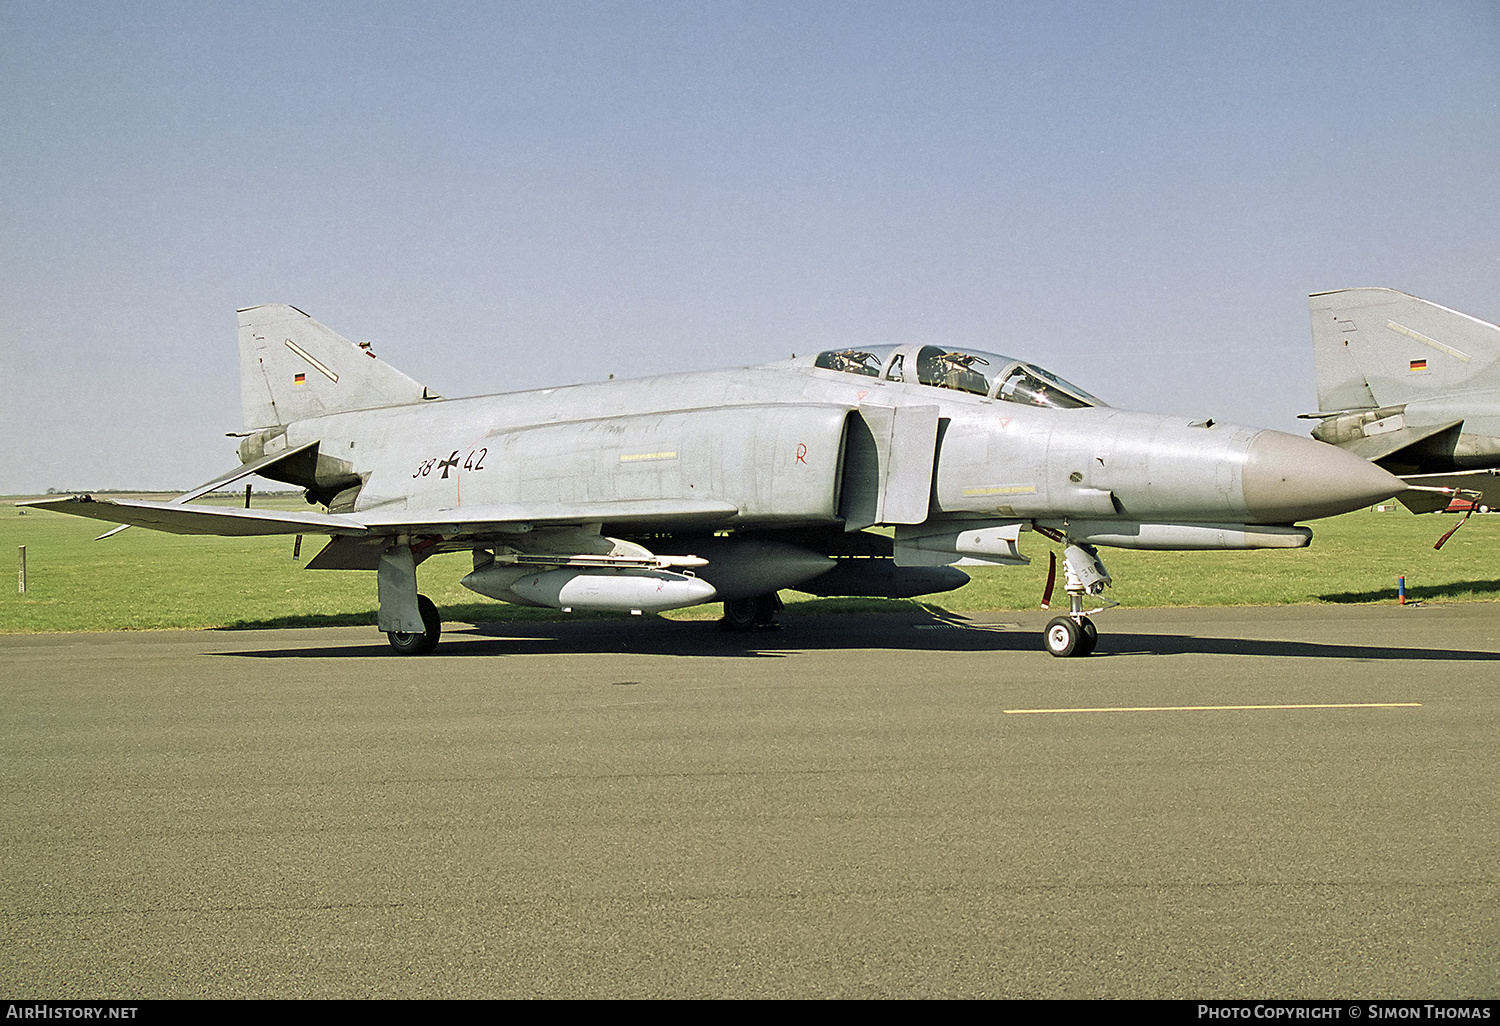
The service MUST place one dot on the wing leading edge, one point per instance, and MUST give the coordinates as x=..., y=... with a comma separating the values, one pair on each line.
x=187, y=518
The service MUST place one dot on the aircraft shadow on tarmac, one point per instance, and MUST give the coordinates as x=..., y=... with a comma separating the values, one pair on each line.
x=822, y=633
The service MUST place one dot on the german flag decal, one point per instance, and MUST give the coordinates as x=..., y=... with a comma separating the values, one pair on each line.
x=301, y=379
x=1419, y=365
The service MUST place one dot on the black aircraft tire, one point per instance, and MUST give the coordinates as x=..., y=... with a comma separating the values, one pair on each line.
x=1089, y=640
x=741, y=614
x=1063, y=637
x=749, y=614
x=419, y=644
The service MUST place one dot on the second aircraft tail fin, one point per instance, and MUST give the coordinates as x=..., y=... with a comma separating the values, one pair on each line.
x=292, y=368
x=1379, y=348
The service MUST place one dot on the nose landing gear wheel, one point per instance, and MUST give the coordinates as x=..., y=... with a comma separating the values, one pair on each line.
x=1068, y=637
x=419, y=644
x=1090, y=638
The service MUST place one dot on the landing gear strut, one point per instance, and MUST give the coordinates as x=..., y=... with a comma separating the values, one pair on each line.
x=751, y=614
x=1075, y=634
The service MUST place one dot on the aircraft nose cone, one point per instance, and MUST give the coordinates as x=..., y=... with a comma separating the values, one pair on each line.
x=1288, y=478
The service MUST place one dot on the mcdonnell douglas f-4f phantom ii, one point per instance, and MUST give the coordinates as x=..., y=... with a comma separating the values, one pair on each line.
x=1413, y=387
x=673, y=491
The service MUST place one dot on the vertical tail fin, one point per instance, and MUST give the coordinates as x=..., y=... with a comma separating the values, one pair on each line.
x=292, y=368
x=1380, y=347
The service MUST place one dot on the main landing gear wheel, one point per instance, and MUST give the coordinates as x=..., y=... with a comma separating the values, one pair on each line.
x=1068, y=637
x=419, y=644
x=750, y=614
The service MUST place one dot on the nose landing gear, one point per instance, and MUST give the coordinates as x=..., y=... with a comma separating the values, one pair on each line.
x=1075, y=634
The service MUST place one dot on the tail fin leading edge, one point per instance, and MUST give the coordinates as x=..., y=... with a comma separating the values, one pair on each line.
x=293, y=368
x=1379, y=347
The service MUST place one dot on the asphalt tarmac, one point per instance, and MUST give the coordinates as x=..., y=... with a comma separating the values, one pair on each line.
x=854, y=806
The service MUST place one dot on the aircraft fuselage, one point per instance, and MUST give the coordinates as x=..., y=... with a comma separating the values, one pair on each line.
x=773, y=443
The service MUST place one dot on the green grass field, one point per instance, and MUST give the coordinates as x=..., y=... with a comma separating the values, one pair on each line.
x=145, y=580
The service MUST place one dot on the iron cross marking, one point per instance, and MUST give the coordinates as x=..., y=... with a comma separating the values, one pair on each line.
x=451, y=461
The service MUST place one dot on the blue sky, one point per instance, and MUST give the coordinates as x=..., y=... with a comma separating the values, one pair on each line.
x=513, y=195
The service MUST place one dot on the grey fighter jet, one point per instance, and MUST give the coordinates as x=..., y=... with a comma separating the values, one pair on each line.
x=1413, y=387
x=728, y=486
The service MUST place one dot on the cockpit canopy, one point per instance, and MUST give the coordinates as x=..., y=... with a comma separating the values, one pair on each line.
x=965, y=370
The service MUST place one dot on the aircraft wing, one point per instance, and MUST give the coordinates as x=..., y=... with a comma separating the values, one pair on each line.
x=187, y=518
